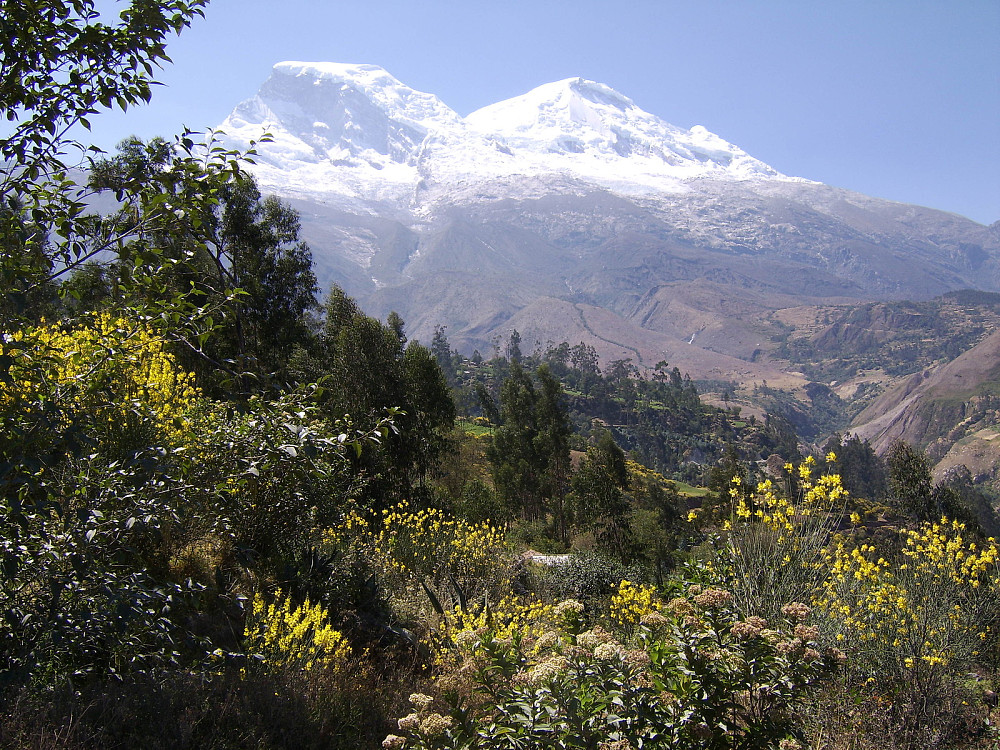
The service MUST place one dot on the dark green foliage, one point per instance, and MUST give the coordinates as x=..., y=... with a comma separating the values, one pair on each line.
x=249, y=243
x=479, y=503
x=83, y=556
x=365, y=369
x=530, y=450
x=428, y=415
x=660, y=421
x=600, y=502
x=60, y=67
x=194, y=711
x=913, y=493
x=862, y=472
x=258, y=240
x=655, y=524
x=969, y=500
x=911, y=487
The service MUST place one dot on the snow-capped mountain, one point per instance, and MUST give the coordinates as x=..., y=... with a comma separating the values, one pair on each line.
x=570, y=213
x=356, y=133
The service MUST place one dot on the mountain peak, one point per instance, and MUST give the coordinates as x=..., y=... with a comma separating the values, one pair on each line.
x=578, y=116
x=346, y=115
x=569, y=103
x=355, y=131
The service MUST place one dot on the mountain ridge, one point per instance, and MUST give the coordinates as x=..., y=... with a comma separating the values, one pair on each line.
x=571, y=193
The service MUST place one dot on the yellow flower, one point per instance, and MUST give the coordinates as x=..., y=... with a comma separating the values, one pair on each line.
x=285, y=635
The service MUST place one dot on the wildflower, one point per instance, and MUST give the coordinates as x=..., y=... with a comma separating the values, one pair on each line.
x=616, y=745
x=642, y=680
x=544, y=671
x=568, y=608
x=796, y=611
x=393, y=742
x=787, y=648
x=680, y=607
x=594, y=637
x=548, y=639
x=745, y=631
x=608, y=651
x=667, y=698
x=654, y=620
x=435, y=724
x=420, y=701
x=631, y=602
x=810, y=654
x=409, y=723
x=713, y=598
x=806, y=632
x=637, y=657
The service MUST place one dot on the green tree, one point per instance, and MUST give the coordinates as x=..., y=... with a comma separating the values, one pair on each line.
x=529, y=455
x=601, y=503
x=862, y=471
x=61, y=65
x=911, y=486
x=365, y=369
x=516, y=466
x=83, y=524
x=250, y=244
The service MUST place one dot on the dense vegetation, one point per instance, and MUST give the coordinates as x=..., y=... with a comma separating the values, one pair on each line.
x=231, y=516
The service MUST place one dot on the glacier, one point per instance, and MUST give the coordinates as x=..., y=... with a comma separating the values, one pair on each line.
x=355, y=136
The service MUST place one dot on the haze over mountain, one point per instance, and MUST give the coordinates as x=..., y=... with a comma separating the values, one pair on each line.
x=569, y=213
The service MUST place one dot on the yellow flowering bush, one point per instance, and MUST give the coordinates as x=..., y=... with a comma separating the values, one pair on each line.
x=284, y=635
x=774, y=543
x=510, y=617
x=632, y=602
x=411, y=549
x=916, y=621
x=639, y=474
x=111, y=372
x=927, y=608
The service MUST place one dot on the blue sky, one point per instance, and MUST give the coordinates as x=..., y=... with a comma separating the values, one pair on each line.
x=894, y=98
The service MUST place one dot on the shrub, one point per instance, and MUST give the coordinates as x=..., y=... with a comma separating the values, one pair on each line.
x=589, y=577
x=773, y=546
x=694, y=676
x=282, y=635
x=419, y=552
x=919, y=621
x=273, y=476
x=633, y=602
x=108, y=377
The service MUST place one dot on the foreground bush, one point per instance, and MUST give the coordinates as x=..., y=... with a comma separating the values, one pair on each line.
x=692, y=676
x=426, y=560
x=917, y=623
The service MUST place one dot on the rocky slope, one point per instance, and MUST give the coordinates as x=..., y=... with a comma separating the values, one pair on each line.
x=952, y=410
